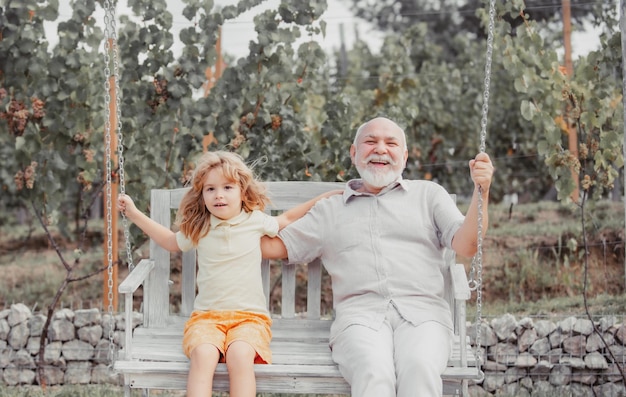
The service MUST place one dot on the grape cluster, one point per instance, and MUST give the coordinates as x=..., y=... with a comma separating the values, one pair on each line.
x=84, y=182
x=237, y=140
x=26, y=177
x=160, y=89
x=276, y=121
x=17, y=115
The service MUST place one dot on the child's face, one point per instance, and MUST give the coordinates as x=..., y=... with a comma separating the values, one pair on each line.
x=222, y=197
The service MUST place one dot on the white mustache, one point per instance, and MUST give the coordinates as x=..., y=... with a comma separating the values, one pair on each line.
x=378, y=158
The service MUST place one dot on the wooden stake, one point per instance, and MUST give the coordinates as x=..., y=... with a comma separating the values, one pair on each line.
x=211, y=78
x=622, y=27
x=569, y=68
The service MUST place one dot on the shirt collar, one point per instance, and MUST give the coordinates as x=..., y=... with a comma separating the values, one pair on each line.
x=235, y=220
x=354, y=185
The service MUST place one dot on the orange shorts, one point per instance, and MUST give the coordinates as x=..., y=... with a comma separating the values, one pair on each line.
x=221, y=328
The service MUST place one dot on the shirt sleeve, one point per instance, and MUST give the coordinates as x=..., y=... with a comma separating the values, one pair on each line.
x=270, y=225
x=447, y=216
x=183, y=242
x=304, y=237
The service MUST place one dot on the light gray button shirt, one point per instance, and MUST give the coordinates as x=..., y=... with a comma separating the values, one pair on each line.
x=379, y=250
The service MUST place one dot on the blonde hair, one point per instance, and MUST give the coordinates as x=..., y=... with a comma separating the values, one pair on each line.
x=193, y=217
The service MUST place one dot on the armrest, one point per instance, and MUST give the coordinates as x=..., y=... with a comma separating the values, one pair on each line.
x=128, y=287
x=461, y=293
x=460, y=285
x=136, y=277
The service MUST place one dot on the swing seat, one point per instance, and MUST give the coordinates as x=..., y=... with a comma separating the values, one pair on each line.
x=152, y=357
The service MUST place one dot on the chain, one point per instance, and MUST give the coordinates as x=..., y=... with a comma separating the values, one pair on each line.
x=476, y=276
x=478, y=260
x=120, y=154
x=109, y=29
x=487, y=83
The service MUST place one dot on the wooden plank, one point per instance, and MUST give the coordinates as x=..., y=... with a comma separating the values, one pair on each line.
x=283, y=384
x=288, y=289
x=261, y=370
x=128, y=333
x=460, y=285
x=304, y=350
x=323, y=379
x=268, y=370
x=156, y=290
x=136, y=277
x=285, y=195
x=266, y=279
x=176, y=196
x=188, y=283
x=314, y=289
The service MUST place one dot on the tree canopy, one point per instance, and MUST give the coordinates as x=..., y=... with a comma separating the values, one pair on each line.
x=287, y=107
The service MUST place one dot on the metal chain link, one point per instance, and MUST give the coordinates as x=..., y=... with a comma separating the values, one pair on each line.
x=120, y=151
x=476, y=276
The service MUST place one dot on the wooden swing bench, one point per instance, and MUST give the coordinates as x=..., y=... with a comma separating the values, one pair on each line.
x=152, y=357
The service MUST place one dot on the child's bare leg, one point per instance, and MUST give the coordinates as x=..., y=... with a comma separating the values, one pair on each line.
x=204, y=359
x=240, y=362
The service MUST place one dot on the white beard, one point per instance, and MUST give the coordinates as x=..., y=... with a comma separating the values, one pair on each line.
x=377, y=178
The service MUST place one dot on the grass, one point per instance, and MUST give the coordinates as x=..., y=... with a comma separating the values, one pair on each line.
x=534, y=258
x=602, y=305
x=549, y=218
x=532, y=261
x=33, y=270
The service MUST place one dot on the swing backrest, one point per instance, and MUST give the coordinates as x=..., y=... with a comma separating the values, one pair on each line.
x=284, y=195
x=164, y=203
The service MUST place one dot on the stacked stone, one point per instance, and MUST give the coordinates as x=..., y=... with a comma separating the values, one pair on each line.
x=529, y=357
x=77, y=349
x=542, y=357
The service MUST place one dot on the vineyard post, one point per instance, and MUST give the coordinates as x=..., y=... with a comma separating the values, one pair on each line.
x=112, y=142
x=622, y=26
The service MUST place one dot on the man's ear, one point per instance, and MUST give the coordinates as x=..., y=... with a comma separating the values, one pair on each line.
x=353, y=153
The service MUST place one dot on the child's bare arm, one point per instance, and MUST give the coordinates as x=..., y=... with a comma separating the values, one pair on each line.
x=159, y=233
x=273, y=248
x=298, y=212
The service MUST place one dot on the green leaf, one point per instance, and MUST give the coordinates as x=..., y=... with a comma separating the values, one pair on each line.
x=58, y=162
x=19, y=143
x=51, y=11
x=528, y=110
x=190, y=11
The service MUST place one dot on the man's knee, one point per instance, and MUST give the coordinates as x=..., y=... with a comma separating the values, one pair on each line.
x=368, y=369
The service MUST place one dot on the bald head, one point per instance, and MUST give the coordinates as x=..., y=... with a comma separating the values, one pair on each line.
x=381, y=124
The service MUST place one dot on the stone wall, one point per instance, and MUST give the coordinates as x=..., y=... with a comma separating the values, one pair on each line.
x=542, y=356
x=77, y=350
x=530, y=356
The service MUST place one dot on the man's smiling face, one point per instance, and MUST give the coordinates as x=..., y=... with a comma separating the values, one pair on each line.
x=379, y=153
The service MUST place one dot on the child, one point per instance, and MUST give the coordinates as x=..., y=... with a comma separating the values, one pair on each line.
x=222, y=217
